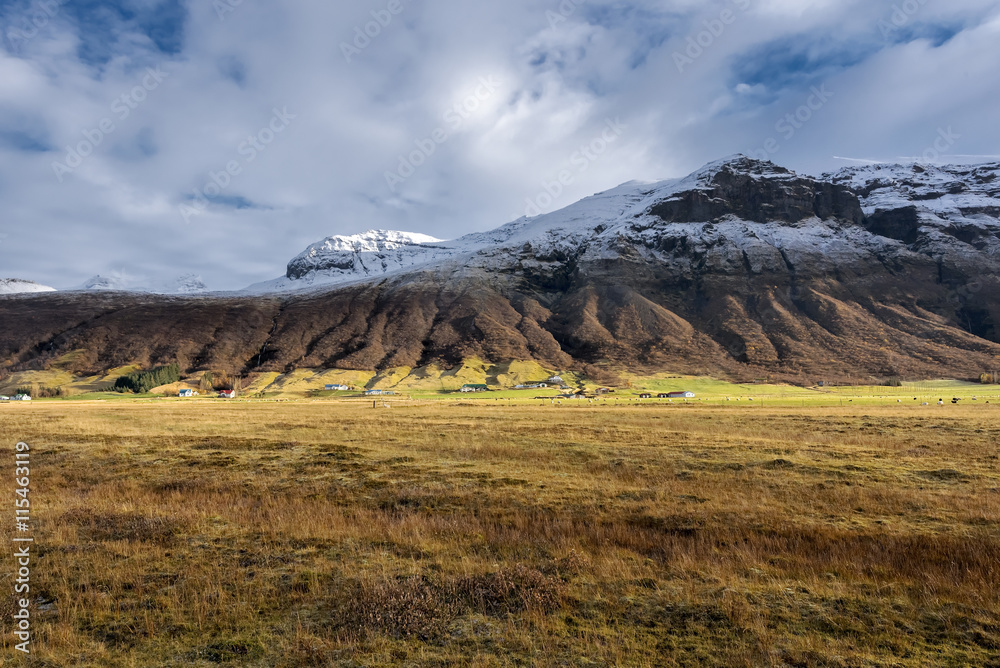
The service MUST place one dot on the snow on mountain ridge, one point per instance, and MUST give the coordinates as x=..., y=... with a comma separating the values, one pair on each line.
x=633, y=213
x=371, y=241
x=121, y=282
x=561, y=233
x=14, y=286
x=934, y=189
x=727, y=207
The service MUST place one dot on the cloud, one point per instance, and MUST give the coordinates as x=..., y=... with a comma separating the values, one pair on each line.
x=75, y=77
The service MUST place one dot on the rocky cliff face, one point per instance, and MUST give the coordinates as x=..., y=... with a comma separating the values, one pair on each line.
x=741, y=269
x=759, y=192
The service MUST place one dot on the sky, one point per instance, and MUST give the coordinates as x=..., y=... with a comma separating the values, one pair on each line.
x=152, y=139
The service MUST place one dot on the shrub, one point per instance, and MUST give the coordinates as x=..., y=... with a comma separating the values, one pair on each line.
x=421, y=606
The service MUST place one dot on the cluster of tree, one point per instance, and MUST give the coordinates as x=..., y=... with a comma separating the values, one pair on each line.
x=43, y=392
x=141, y=382
x=989, y=378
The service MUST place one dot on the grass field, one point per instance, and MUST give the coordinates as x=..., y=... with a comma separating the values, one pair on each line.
x=473, y=533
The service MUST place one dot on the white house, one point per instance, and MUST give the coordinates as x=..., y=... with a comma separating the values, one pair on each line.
x=337, y=388
x=680, y=395
x=475, y=388
x=555, y=380
x=22, y=397
x=187, y=393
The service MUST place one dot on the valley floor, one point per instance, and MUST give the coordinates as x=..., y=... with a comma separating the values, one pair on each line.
x=474, y=533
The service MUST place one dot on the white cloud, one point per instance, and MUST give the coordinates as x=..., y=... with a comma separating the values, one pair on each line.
x=325, y=174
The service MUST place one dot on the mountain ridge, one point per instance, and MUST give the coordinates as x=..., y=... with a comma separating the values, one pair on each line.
x=743, y=268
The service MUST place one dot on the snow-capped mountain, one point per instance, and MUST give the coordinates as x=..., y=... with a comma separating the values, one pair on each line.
x=14, y=286
x=338, y=259
x=743, y=268
x=733, y=213
x=187, y=284
x=121, y=282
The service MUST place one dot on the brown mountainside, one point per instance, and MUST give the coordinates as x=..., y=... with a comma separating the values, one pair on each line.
x=742, y=270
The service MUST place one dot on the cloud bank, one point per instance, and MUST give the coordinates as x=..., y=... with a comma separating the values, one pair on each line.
x=160, y=138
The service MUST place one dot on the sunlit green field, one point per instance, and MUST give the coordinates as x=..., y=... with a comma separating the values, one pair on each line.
x=709, y=392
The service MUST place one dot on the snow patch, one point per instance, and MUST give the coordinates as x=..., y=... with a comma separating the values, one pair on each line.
x=17, y=286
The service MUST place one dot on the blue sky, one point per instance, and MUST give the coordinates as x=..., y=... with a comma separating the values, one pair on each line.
x=160, y=138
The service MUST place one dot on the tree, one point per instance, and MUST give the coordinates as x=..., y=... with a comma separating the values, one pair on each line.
x=142, y=382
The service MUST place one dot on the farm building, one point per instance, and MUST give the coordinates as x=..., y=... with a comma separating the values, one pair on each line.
x=227, y=394
x=379, y=393
x=337, y=388
x=474, y=388
x=22, y=397
x=646, y=395
x=186, y=393
x=680, y=395
x=555, y=380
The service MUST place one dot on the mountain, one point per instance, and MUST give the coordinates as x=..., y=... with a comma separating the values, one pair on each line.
x=120, y=282
x=13, y=286
x=341, y=259
x=742, y=269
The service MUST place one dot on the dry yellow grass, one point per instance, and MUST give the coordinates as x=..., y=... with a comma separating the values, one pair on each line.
x=317, y=534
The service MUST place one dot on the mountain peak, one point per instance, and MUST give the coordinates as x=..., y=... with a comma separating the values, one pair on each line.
x=371, y=241
x=743, y=164
x=374, y=251
x=187, y=284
